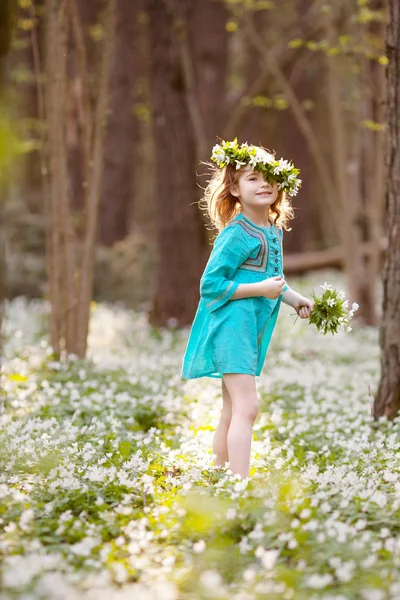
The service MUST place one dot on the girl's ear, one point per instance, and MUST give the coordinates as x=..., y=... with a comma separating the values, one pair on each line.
x=234, y=190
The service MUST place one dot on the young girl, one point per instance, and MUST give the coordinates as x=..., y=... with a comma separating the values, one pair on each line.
x=242, y=287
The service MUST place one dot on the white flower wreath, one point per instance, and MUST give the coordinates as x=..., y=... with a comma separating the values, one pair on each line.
x=282, y=171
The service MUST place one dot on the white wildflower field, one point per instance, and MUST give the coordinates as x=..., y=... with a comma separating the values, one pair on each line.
x=107, y=484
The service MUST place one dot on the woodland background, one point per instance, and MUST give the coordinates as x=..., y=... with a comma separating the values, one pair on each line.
x=108, y=110
x=116, y=105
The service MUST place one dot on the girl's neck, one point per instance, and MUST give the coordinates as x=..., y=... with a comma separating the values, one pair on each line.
x=257, y=219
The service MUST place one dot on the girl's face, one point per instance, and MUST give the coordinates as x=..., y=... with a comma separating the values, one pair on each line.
x=253, y=191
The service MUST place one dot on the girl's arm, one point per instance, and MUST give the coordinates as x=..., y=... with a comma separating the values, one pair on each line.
x=272, y=287
x=217, y=284
x=302, y=305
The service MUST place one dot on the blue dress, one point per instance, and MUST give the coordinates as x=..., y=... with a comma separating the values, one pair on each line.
x=232, y=336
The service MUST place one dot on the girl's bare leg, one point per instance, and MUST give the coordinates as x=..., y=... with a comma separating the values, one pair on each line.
x=220, y=443
x=243, y=394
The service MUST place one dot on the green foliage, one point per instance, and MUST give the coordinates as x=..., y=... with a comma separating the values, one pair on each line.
x=282, y=171
x=373, y=125
x=9, y=146
x=107, y=475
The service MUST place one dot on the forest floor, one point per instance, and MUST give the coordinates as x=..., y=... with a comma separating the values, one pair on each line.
x=107, y=489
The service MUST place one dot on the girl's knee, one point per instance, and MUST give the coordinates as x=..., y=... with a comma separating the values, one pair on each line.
x=243, y=393
x=247, y=410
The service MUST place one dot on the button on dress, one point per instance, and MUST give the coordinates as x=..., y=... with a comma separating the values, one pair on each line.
x=232, y=336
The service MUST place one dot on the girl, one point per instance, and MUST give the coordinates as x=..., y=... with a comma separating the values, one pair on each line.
x=242, y=287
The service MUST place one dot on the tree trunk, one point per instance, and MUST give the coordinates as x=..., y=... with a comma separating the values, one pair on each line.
x=387, y=401
x=144, y=213
x=122, y=129
x=54, y=114
x=373, y=157
x=180, y=252
x=209, y=41
x=345, y=154
x=95, y=170
x=7, y=14
x=71, y=283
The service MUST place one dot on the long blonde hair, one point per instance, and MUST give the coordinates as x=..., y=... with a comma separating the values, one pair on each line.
x=221, y=206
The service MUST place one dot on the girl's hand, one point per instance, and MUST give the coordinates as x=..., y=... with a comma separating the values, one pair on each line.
x=272, y=287
x=304, y=307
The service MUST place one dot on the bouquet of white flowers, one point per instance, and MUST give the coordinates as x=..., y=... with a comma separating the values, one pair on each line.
x=331, y=312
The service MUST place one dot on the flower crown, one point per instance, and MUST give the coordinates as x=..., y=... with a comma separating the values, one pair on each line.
x=283, y=171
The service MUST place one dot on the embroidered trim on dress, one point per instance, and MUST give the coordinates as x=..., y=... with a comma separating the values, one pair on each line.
x=221, y=296
x=259, y=263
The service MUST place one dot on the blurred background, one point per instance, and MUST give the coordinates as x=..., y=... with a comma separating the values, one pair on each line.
x=111, y=107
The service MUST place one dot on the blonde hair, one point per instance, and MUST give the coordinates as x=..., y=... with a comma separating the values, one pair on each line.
x=221, y=206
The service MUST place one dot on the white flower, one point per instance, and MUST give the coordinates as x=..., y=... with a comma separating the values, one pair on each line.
x=317, y=581
x=218, y=154
x=26, y=518
x=249, y=575
x=355, y=306
x=120, y=572
x=231, y=513
x=85, y=546
x=379, y=498
x=199, y=547
x=373, y=594
x=268, y=559
x=360, y=524
x=345, y=571
x=210, y=579
x=239, y=164
x=295, y=523
x=369, y=561
x=282, y=166
x=264, y=157
x=253, y=161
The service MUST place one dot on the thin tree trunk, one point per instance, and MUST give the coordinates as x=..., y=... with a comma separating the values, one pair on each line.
x=375, y=194
x=7, y=14
x=67, y=230
x=180, y=251
x=94, y=185
x=387, y=401
x=303, y=123
x=44, y=171
x=54, y=119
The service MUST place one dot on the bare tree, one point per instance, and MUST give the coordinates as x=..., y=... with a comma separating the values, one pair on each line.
x=387, y=401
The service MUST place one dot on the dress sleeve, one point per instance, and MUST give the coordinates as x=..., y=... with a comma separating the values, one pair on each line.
x=229, y=252
x=286, y=287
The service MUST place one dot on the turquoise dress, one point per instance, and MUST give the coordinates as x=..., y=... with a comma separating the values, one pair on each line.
x=232, y=336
